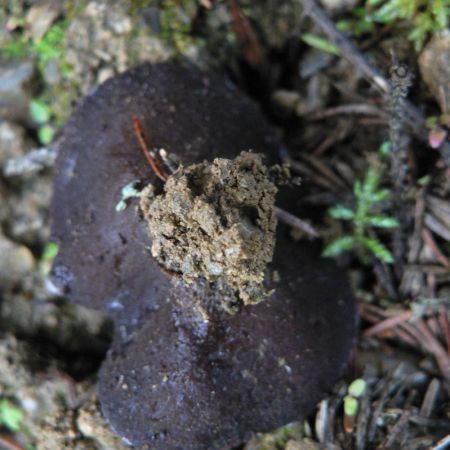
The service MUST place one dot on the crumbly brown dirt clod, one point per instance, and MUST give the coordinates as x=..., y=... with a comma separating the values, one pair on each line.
x=216, y=221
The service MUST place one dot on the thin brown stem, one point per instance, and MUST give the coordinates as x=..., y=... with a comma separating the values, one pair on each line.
x=148, y=154
x=387, y=324
x=428, y=238
x=295, y=222
x=350, y=108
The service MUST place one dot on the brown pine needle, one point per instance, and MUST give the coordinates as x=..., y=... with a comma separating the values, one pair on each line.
x=145, y=149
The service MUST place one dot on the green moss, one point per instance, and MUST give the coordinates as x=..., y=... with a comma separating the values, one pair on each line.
x=54, y=104
x=137, y=5
x=176, y=18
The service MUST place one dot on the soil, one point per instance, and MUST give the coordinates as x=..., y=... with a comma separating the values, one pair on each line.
x=216, y=221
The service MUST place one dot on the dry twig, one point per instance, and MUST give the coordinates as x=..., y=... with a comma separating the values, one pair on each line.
x=295, y=222
x=415, y=333
x=351, y=108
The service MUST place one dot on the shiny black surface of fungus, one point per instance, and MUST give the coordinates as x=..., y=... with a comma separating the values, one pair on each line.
x=175, y=379
x=183, y=384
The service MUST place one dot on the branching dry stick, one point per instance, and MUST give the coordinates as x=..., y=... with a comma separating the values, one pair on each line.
x=413, y=116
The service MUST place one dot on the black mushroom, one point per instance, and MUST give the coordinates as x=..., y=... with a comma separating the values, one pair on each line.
x=186, y=369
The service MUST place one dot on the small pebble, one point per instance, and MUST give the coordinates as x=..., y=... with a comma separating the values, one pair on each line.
x=434, y=63
x=41, y=16
x=15, y=263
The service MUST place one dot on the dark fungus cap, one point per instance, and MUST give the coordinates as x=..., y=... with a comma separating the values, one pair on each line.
x=170, y=380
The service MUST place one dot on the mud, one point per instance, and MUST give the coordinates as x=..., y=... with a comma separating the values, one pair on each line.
x=216, y=221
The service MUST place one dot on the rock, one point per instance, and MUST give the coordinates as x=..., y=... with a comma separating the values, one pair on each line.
x=60, y=323
x=97, y=40
x=30, y=163
x=27, y=216
x=434, y=63
x=152, y=49
x=92, y=425
x=335, y=6
x=16, y=261
x=17, y=86
x=51, y=72
x=13, y=141
x=93, y=41
x=304, y=444
x=285, y=99
x=41, y=16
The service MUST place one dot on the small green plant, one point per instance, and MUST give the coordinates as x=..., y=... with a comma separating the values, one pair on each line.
x=42, y=114
x=50, y=46
x=367, y=194
x=351, y=401
x=48, y=255
x=320, y=43
x=425, y=16
x=360, y=23
x=176, y=22
x=10, y=416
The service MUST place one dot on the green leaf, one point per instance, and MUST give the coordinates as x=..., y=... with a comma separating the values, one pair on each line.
x=341, y=212
x=344, y=25
x=382, y=222
x=441, y=13
x=339, y=246
x=387, y=13
x=10, y=416
x=50, y=251
x=350, y=406
x=371, y=181
x=378, y=249
x=46, y=134
x=379, y=196
x=360, y=12
x=357, y=388
x=320, y=43
x=424, y=181
x=384, y=149
x=40, y=112
x=357, y=189
x=51, y=45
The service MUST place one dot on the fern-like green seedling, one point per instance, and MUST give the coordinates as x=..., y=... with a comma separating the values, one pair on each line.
x=367, y=195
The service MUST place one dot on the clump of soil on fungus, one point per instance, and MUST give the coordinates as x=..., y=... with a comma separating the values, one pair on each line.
x=216, y=221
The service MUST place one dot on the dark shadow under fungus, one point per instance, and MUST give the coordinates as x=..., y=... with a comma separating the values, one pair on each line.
x=171, y=380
